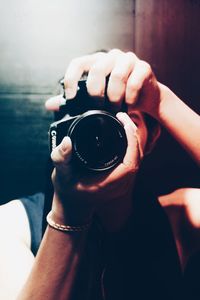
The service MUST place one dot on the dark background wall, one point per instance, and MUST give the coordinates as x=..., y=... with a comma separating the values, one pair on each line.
x=38, y=39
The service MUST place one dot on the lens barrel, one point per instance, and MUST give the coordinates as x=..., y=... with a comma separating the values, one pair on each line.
x=98, y=139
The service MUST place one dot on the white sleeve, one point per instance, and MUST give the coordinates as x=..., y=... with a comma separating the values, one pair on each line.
x=16, y=258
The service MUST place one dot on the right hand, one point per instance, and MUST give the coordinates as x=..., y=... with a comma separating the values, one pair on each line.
x=130, y=78
x=77, y=195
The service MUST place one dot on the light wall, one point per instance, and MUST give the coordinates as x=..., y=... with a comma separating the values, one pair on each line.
x=38, y=38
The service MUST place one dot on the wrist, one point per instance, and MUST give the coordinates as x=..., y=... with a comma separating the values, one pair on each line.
x=67, y=212
x=168, y=101
x=66, y=227
x=159, y=108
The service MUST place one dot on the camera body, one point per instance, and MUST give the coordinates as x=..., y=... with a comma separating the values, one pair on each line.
x=98, y=137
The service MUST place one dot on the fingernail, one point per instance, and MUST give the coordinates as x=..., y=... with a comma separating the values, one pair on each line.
x=53, y=103
x=65, y=144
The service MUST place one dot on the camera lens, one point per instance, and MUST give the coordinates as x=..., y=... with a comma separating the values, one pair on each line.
x=99, y=140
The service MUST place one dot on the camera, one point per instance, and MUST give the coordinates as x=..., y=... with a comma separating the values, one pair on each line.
x=98, y=138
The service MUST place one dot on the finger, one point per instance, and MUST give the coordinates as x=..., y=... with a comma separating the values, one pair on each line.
x=119, y=76
x=54, y=103
x=141, y=72
x=96, y=81
x=181, y=197
x=75, y=70
x=61, y=155
x=165, y=201
x=132, y=157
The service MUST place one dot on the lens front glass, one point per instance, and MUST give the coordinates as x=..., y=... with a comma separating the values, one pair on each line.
x=99, y=141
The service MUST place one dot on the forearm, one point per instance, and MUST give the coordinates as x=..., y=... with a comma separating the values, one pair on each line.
x=56, y=266
x=182, y=122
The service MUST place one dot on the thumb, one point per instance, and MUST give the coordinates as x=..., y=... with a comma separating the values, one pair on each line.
x=54, y=103
x=133, y=154
x=61, y=155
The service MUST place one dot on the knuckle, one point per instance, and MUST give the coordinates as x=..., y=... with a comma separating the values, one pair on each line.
x=115, y=51
x=133, y=87
x=131, y=56
x=146, y=67
x=97, y=69
x=119, y=76
x=69, y=81
x=75, y=65
x=76, y=62
x=99, y=55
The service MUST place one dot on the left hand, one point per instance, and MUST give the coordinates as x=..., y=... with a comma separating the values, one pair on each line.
x=131, y=79
x=76, y=192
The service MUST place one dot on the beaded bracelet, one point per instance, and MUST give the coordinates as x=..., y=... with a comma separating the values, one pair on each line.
x=68, y=228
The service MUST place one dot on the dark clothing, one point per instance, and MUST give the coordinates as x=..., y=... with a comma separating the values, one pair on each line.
x=142, y=262
x=139, y=263
x=34, y=206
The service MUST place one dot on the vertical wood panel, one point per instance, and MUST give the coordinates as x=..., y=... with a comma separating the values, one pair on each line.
x=167, y=34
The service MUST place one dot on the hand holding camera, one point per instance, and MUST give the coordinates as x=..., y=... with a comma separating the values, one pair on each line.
x=131, y=79
x=98, y=137
x=81, y=190
x=95, y=165
x=78, y=194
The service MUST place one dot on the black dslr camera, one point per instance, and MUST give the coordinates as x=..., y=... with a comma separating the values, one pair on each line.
x=98, y=137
